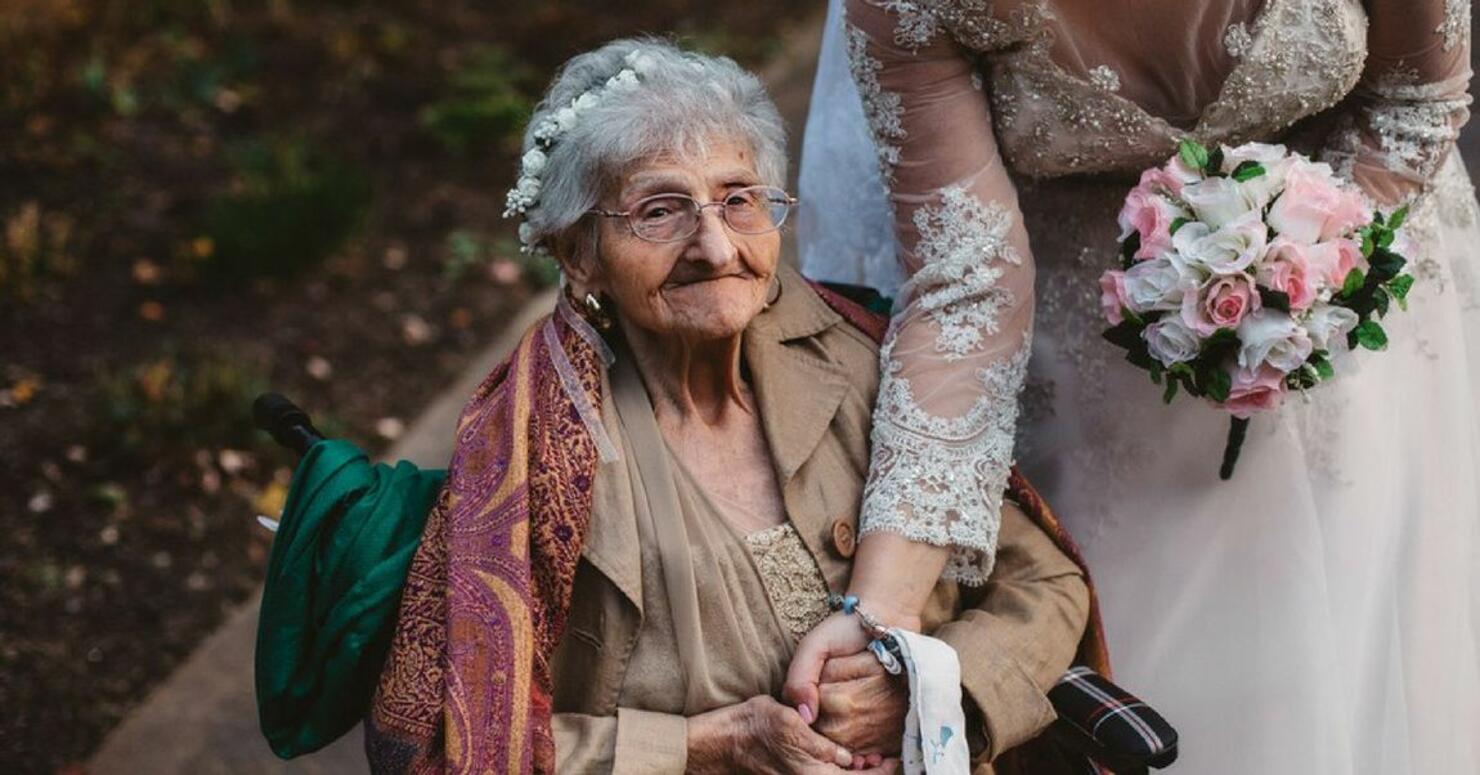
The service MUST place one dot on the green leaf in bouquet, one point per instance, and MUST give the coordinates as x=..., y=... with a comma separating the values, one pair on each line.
x=1183, y=370
x=1367, y=244
x=1170, y=392
x=1399, y=287
x=1380, y=299
x=1126, y=335
x=1156, y=371
x=1385, y=264
x=1178, y=223
x=1377, y=217
x=1369, y=334
x=1274, y=299
x=1193, y=154
x=1353, y=283
x=1128, y=250
x=1322, y=364
x=1384, y=238
x=1302, y=378
x=1220, y=382
x=1395, y=221
x=1215, y=163
x=1140, y=358
x=1127, y=313
x=1223, y=343
x=1248, y=170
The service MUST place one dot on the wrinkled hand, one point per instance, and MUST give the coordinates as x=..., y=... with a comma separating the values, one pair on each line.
x=839, y=635
x=774, y=739
x=863, y=706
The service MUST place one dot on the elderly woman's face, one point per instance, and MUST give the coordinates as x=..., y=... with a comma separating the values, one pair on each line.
x=706, y=287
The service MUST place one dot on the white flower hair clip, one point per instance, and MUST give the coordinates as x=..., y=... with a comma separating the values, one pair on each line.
x=525, y=195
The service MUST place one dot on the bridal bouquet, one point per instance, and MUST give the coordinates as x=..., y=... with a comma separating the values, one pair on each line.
x=1243, y=270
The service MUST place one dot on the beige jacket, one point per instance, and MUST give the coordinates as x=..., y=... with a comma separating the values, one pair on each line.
x=814, y=377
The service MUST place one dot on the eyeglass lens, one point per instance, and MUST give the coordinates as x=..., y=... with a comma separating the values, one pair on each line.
x=671, y=217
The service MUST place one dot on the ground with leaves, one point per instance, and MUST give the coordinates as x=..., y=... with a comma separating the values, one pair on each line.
x=201, y=199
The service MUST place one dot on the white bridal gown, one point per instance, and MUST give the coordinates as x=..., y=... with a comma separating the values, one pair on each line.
x=1320, y=612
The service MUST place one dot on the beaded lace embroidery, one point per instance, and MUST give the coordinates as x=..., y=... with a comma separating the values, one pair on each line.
x=961, y=242
x=1237, y=40
x=1456, y=23
x=881, y=108
x=1105, y=78
x=916, y=25
x=790, y=575
x=940, y=480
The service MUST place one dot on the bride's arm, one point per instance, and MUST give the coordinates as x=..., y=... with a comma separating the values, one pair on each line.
x=953, y=362
x=1412, y=100
x=956, y=353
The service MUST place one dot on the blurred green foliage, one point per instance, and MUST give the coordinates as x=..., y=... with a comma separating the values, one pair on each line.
x=467, y=250
x=175, y=400
x=289, y=206
x=486, y=104
x=35, y=245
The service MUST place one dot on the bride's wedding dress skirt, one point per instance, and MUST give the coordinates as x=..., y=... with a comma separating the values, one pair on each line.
x=1320, y=612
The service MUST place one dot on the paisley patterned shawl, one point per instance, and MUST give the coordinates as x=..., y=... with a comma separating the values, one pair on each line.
x=467, y=686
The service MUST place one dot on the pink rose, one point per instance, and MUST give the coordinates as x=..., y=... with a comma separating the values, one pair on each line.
x=1150, y=215
x=1167, y=180
x=1255, y=391
x=1288, y=268
x=1333, y=260
x=1314, y=208
x=1112, y=296
x=1222, y=303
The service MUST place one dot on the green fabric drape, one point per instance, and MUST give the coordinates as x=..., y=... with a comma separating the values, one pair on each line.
x=334, y=580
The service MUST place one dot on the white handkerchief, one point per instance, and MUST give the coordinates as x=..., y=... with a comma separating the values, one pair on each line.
x=935, y=727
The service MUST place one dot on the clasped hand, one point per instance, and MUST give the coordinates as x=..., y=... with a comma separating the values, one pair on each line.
x=837, y=685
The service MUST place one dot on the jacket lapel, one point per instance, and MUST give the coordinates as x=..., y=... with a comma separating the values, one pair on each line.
x=798, y=392
x=611, y=540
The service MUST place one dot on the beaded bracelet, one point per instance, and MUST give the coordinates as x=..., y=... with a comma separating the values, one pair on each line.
x=848, y=604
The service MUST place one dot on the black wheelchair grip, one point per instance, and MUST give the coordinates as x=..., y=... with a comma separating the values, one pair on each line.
x=288, y=425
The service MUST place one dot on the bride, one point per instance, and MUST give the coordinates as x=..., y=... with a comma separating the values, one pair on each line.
x=1320, y=612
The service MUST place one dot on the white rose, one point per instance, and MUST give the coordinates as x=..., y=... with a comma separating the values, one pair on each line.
x=1157, y=284
x=584, y=102
x=1170, y=341
x=546, y=129
x=622, y=81
x=1270, y=336
x=528, y=187
x=1276, y=161
x=640, y=61
x=1264, y=153
x=533, y=163
x=1328, y=326
x=1216, y=201
x=1228, y=250
x=526, y=233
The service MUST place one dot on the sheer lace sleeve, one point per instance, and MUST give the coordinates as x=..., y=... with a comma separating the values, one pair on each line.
x=957, y=349
x=1412, y=100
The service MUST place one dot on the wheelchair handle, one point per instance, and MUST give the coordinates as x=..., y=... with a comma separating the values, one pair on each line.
x=288, y=425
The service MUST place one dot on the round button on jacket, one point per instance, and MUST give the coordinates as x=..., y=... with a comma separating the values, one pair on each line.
x=843, y=540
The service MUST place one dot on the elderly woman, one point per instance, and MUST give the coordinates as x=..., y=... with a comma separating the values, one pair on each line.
x=652, y=498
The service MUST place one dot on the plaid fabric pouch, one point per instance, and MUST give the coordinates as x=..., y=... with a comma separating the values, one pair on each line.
x=1111, y=725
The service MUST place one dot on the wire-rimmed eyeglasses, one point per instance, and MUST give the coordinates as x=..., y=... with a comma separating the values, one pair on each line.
x=675, y=217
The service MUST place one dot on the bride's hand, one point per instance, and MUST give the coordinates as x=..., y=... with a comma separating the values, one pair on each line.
x=839, y=635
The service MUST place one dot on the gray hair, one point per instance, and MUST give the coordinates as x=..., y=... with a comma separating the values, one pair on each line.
x=684, y=102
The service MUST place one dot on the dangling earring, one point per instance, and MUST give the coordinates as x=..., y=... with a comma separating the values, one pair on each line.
x=598, y=314
x=775, y=294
